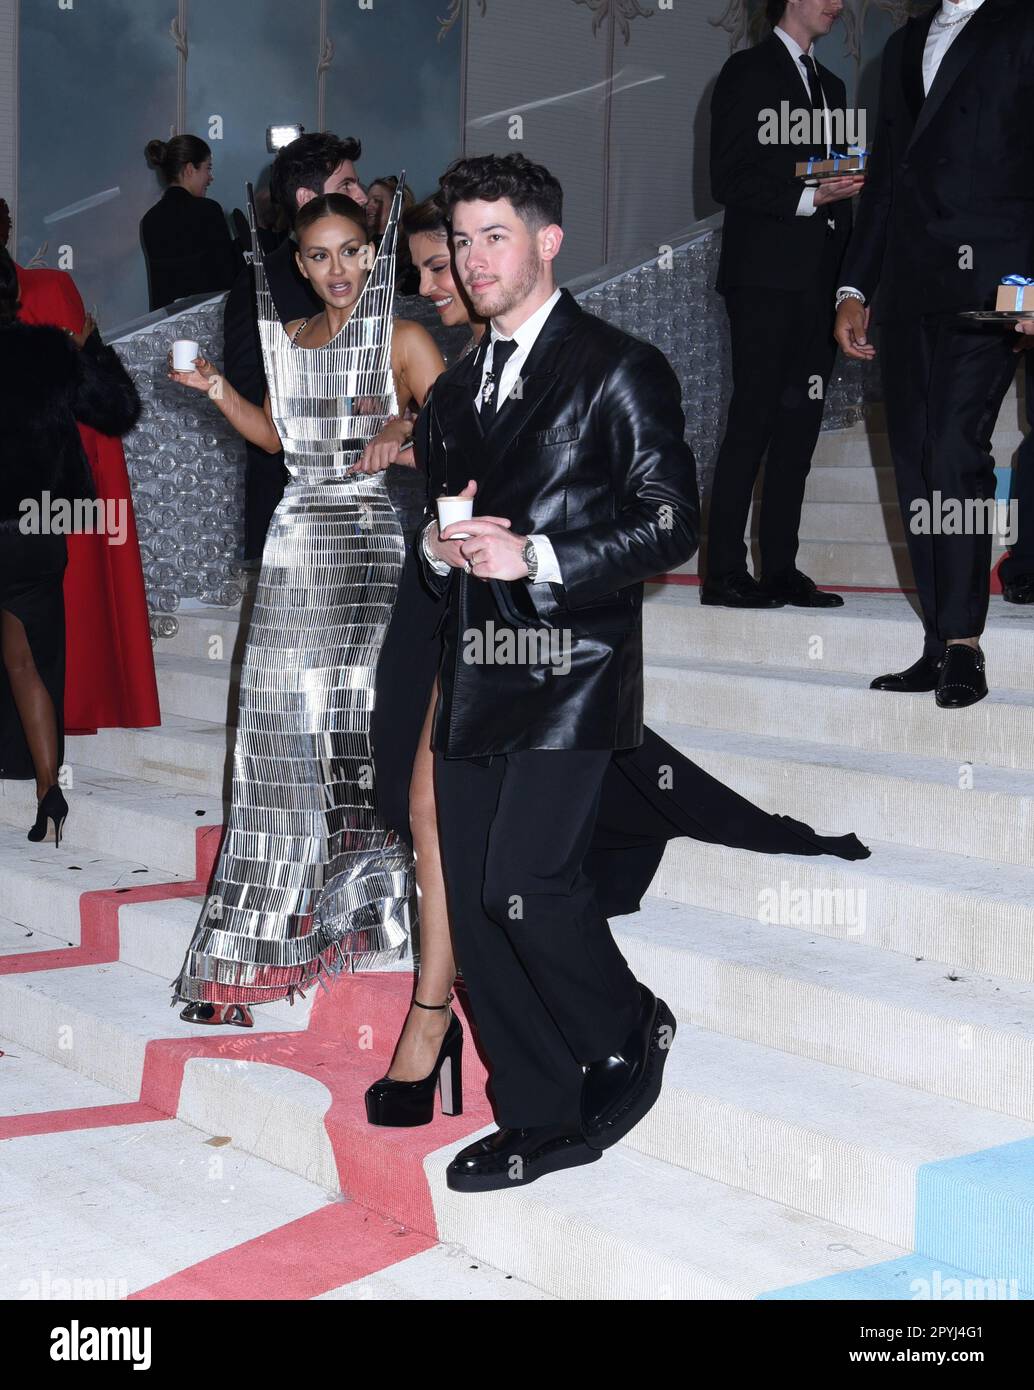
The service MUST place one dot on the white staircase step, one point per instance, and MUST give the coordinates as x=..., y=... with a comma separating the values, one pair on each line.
x=630, y=1226
x=970, y=914
x=98, y=1019
x=838, y=708
x=808, y=1135
x=197, y=688
x=184, y=754
x=923, y=803
x=146, y=821
x=41, y=886
x=870, y=634
x=839, y=1001
x=879, y=564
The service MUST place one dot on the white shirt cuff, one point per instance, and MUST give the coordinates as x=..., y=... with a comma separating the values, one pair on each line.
x=841, y=289
x=806, y=207
x=549, y=567
x=439, y=566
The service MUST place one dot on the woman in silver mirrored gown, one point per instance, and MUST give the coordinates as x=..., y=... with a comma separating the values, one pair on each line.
x=308, y=880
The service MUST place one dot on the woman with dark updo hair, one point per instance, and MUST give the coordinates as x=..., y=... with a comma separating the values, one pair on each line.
x=186, y=243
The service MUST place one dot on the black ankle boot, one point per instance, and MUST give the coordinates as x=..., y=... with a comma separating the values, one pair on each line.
x=402, y=1104
x=53, y=807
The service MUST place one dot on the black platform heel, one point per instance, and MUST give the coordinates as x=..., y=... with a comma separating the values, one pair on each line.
x=402, y=1104
x=53, y=807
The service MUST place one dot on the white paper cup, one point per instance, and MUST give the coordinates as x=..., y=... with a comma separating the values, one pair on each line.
x=452, y=509
x=183, y=353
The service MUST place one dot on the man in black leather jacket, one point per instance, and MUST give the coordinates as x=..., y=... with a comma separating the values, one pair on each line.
x=572, y=435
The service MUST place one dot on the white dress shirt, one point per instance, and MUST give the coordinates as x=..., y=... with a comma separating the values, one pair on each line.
x=806, y=206
x=548, y=567
x=942, y=35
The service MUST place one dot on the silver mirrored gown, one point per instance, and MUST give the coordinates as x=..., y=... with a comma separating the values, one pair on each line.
x=307, y=880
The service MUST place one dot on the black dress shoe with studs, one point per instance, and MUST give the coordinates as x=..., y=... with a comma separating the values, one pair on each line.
x=620, y=1089
x=736, y=591
x=800, y=592
x=962, y=680
x=921, y=675
x=1019, y=590
x=512, y=1158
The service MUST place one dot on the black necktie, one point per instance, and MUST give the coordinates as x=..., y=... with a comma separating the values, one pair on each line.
x=502, y=350
x=818, y=101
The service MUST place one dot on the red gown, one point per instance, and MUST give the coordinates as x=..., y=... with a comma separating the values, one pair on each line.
x=109, y=664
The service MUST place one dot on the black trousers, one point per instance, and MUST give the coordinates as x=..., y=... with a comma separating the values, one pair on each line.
x=782, y=344
x=1020, y=559
x=549, y=989
x=943, y=386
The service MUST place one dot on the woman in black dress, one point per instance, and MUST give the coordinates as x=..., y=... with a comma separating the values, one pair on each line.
x=636, y=817
x=50, y=379
x=186, y=242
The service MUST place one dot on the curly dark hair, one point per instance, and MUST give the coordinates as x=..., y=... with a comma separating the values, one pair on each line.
x=775, y=9
x=308, y=162
x=535, y=194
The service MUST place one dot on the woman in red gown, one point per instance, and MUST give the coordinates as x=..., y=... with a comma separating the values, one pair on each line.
x=109, y=664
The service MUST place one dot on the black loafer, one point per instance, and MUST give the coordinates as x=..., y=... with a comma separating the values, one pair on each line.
x=962, y=681
x=512, y=1158
x=736, y=591
x=620, y=1089
x=1020, y=590
x=921, y=675
x=800, y=592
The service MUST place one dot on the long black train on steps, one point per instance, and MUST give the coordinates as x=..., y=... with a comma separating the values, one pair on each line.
x=640, y=809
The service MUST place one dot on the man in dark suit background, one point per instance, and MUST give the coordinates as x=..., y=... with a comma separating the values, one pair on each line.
x=947, y=211
x=574, y=435
x=309, y=166
x=782, y=246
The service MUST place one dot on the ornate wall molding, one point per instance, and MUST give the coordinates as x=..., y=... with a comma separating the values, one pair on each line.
x=457, y=9
x=620, y=13
x=326, y=57
x=178, y=31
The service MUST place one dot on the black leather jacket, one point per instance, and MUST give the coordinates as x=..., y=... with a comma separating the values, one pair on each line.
x=593, y=455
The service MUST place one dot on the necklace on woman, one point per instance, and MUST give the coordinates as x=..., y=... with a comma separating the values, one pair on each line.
x=951, y=23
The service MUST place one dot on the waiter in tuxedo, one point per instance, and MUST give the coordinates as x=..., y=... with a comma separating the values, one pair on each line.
x=313, y=164
x=573, y=436
x=947, y=211
x=782, y=246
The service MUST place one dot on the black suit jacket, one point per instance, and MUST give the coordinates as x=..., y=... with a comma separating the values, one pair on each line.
x=952, y=171
x=187, y=247
x=764, y=242
x=593, y=455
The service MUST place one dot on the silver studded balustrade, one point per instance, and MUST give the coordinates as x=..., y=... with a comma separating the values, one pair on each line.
x=186, y=464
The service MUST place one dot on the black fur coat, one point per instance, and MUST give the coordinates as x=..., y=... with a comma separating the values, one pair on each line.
x=46, y=384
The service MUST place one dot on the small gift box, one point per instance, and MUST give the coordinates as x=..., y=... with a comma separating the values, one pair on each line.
x=837, y=166
x=1016, y=295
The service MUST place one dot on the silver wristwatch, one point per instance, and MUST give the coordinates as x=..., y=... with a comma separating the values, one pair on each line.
x=531, y=560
